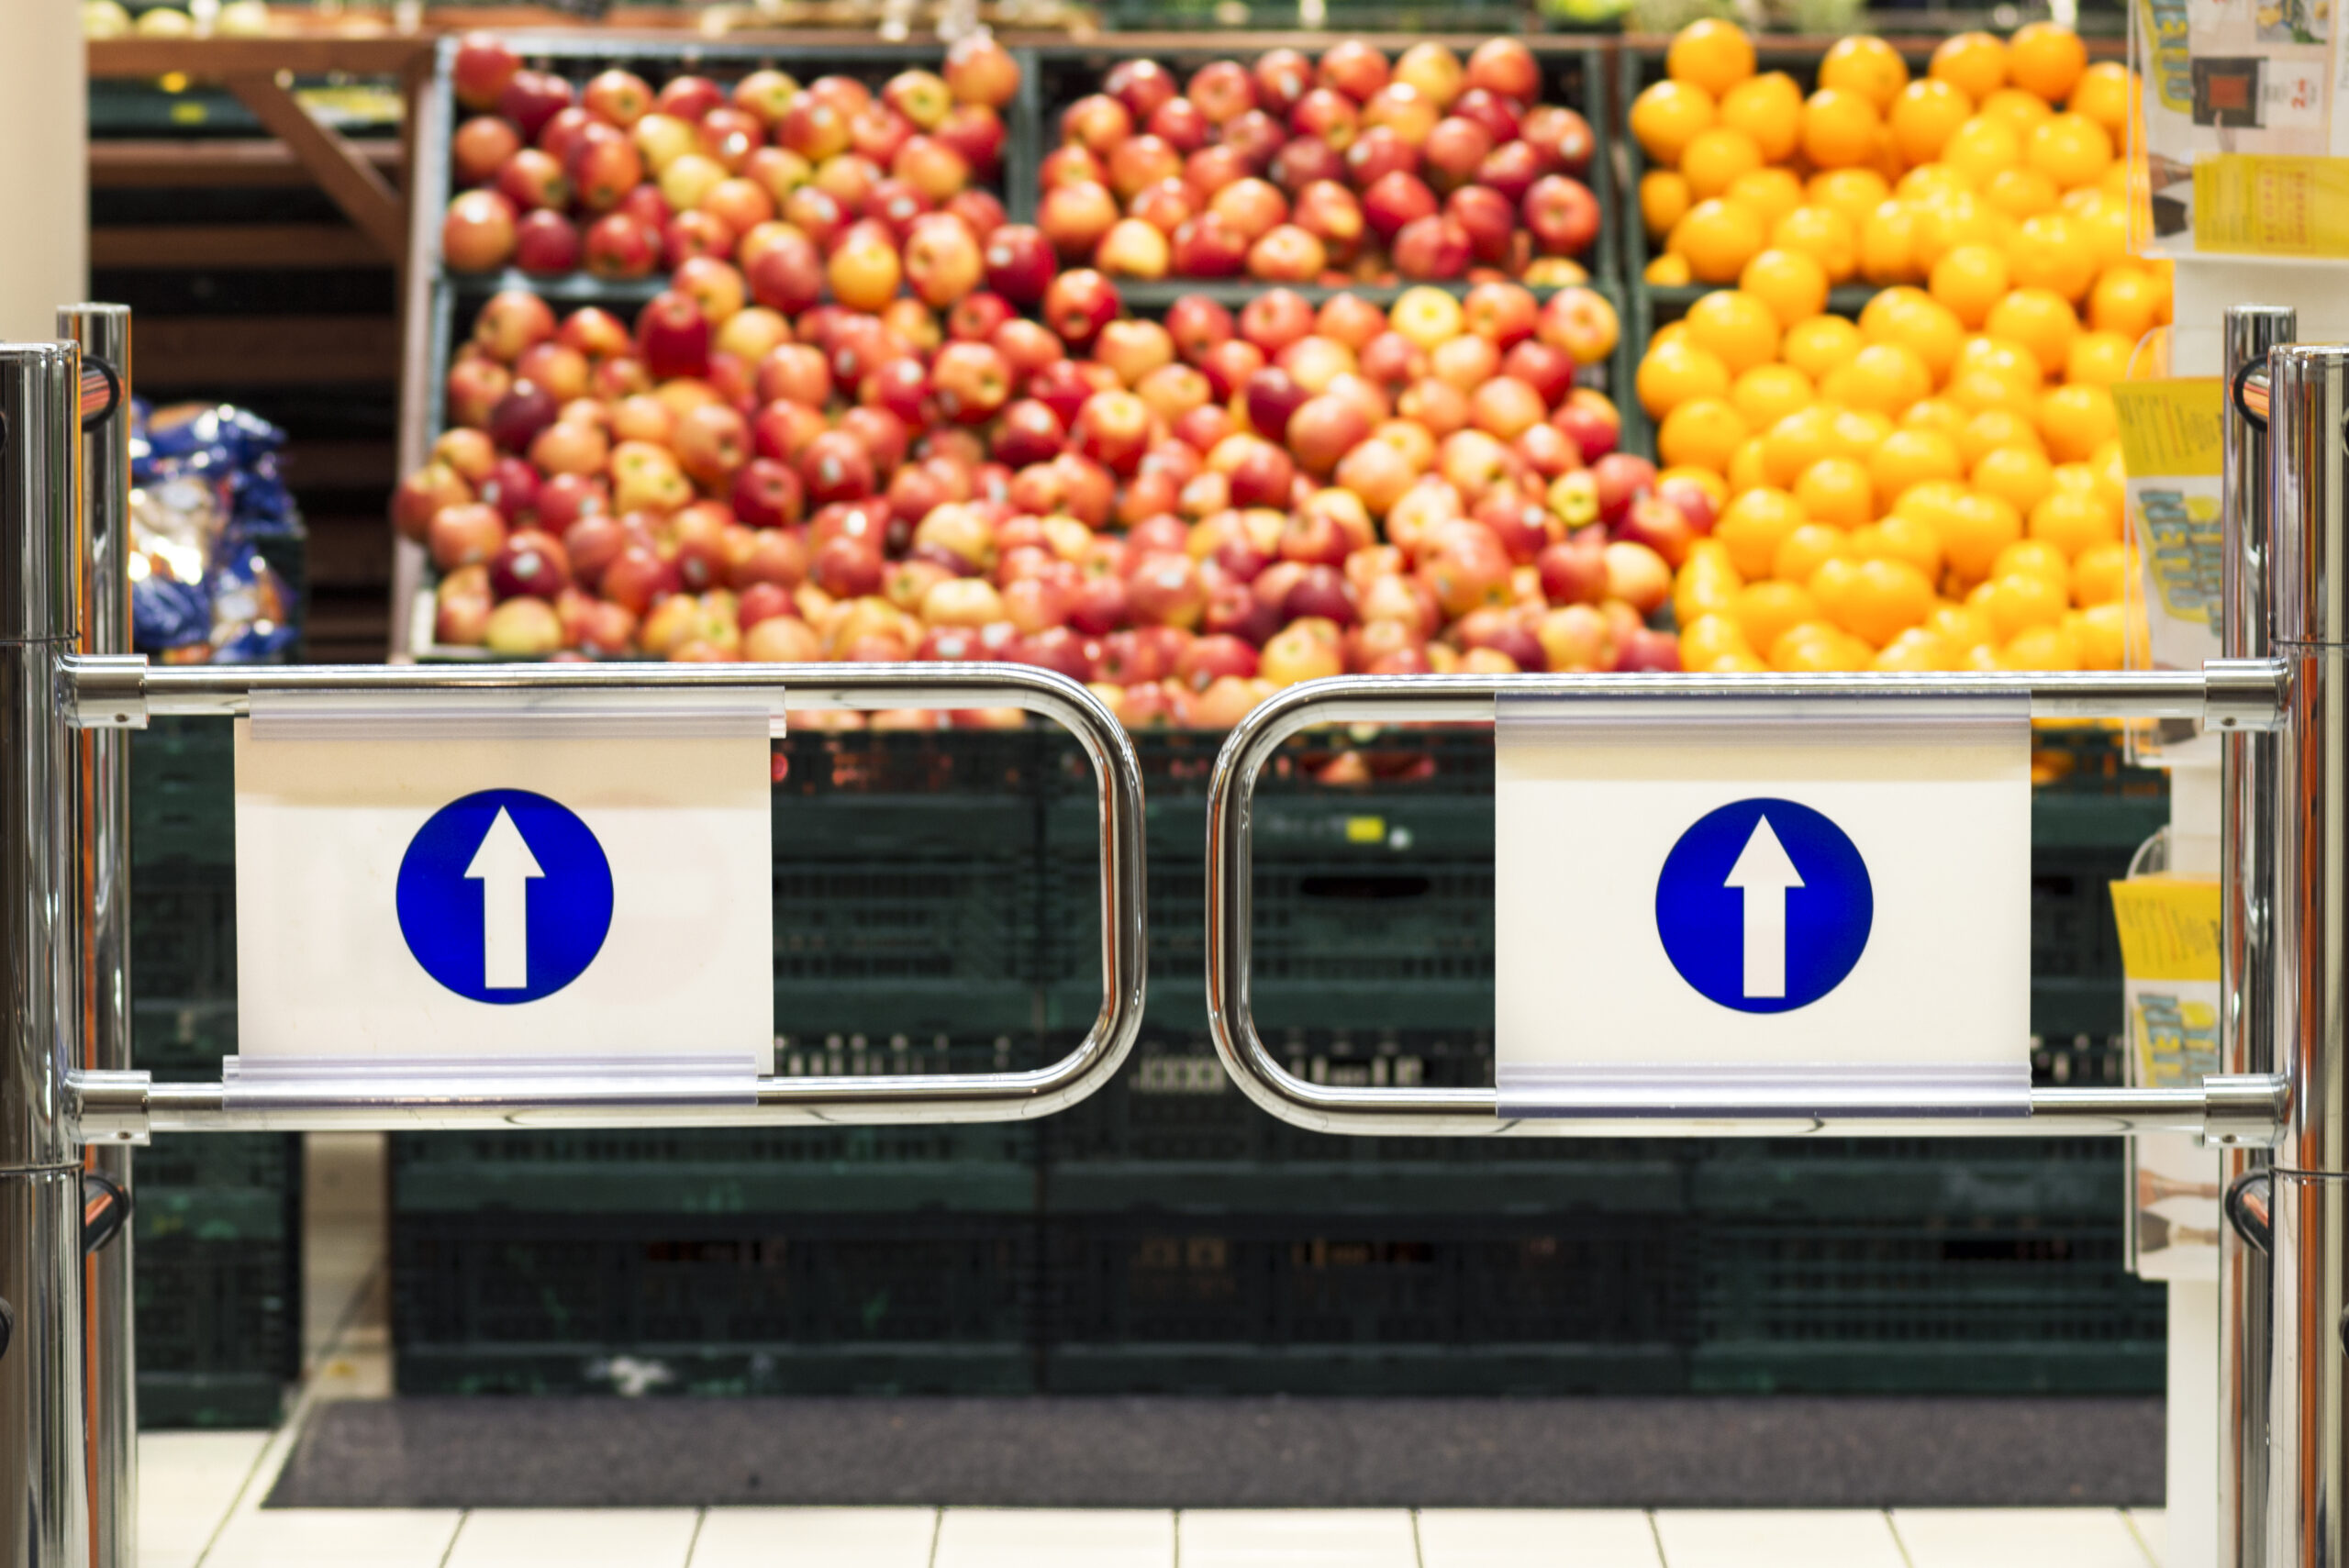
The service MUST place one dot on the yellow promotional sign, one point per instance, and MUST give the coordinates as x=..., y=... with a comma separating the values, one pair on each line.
x=2271, y=205
x=2169, y=947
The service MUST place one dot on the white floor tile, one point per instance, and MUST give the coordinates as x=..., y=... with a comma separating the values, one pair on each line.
x=1300, y=1538
x=1055, y=1537
x=573, y=1538
x=1536, y=1538
x=1777, y=1539
x=187, y=1482
x=347, y=1537
x=2018, y=1538
x=2153, y=1529
x=815, y=1538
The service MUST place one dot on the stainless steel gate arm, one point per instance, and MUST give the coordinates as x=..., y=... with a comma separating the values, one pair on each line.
x=125, y=1106
x=2246, y=694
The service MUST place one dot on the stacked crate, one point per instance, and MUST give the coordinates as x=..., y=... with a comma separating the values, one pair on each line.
x=217, y=1217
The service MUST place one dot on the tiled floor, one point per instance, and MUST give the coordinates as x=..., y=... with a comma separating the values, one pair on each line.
x=200, y=1495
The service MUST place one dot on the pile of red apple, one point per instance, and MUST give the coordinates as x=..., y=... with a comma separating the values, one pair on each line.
x=1187, y=514
x=1330, y=171
x=626, y=181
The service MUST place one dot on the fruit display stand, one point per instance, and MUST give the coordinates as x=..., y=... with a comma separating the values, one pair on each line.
x=1167, y=1235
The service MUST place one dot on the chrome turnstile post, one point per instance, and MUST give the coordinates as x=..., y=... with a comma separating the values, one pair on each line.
x=44, y=1518
x=2308, y=605
x=2246, y=843
x=110, y=1360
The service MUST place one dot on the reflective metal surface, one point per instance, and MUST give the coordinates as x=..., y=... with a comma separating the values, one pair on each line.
x=110, y=1107
x=2309, y=571
x=2247, y=764
x=2249, y=1108
x=44, y=1501
x=110, y=1358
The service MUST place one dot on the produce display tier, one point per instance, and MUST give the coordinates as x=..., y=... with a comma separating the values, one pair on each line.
x=216, y=1223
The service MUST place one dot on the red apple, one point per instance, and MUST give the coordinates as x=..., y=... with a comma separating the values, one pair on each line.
x=1019, y=264
x=1275, y=318
x=1077, y=305
x=546, y=243
x=1178, y=123
x=1432, y=248
x=1207, y=246
x=1097, y=123
x=477, y=235
x=981, y=71
x=1562, y=214
x=620, y=246
x=1323, y=430
x=1488, y=220
x=1454, y=150
x=1507, y=67
x=1286, y=254
x=481, y=147
x=1075, y=218
x=1395, y=202
x=1223, y=90
x=1377, y=152
x=1581, y=323
x=480, y=68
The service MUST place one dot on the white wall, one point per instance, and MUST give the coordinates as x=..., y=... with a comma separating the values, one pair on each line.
x=44, y=166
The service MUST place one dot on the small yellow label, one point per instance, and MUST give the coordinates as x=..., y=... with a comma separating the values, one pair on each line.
x=1365, y=829
x=2169, y=927
x=188, y=113
x=2169, y=430
x=2247, y=202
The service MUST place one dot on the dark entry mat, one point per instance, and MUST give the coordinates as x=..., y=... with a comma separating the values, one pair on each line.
x=1237, y=1453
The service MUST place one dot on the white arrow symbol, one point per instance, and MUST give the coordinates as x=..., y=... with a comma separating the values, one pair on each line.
x=1763, y=873
x=504, y=866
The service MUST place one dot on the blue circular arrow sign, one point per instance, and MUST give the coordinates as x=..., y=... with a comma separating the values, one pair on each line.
x=1764, y=906
x=504, y=896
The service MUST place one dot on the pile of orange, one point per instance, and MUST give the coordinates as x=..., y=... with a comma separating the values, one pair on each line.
x=1937, y=484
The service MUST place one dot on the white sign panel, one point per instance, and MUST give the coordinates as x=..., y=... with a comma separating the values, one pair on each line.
x=507, y=886
x=1711, y=910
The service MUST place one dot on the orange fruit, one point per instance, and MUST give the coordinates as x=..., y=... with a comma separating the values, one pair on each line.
x=2126, y=301
x=2039, y=648
x=2076, y=420
x=1792, y=283
x=1753, y=526
x=1970, y=279
x=1908, y=457
x=1868, y=66
x=1663, y=198
x=2054, y=252
x=1769, y=108
x=1710, y=53
x=2100, y=633
x=1667, y=117
x=1824, y=235
x=1818, y=648
x=1802, y=552
x=1771, y=192
x=1935, y=413
x=1836, y=491
x=2038, y=322
x=1767, y=394
x=1962, y=625
x=2071, y=522
x=1959, y=219
x=2036, y=555
x=1993, y=428
x=1717, y=239
x=1916, y=652
x=1711, y=637
x=1857, y=432
x=1924, y=116
x=1884, y=599
x=1979, y=390
x=1900, y=538
x=2021, y=192
x=2071, y=149
x=1982, y=147
x=1930, y=183
x=2100, y=574
x=1676, y=370
x=1888, y=244
x=1702, y=432
x=1736, y=328
x=1714, y=157
x=1668, y=270
x=1974, y=527
x=1765, y=611
x=1839, y=128
x=2020, y=601
x=1974, y=63
x=1796, y=441
x=1854, y=192
x=1746, y=471
x=1920, y=324
x=2018, y=110
x=1818, y=345
x=2046, y=59
x=2016, y=475
x=2104, y=93
x=1885, y=378
x=2010, y=362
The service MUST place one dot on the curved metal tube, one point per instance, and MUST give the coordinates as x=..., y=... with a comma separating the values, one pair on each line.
x=2248, y=1107
x=124, y=1107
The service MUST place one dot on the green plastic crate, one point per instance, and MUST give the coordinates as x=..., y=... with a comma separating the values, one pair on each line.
x=216, y=1220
